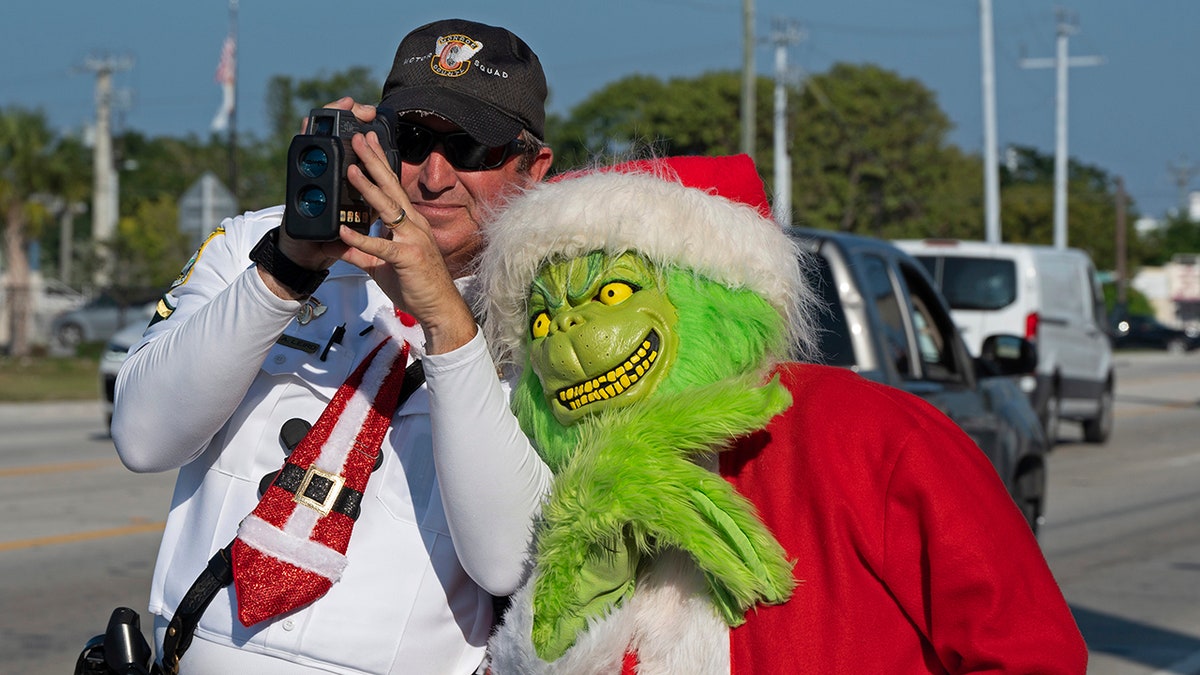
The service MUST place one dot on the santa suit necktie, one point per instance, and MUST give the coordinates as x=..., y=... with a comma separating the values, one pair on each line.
x=292, y=548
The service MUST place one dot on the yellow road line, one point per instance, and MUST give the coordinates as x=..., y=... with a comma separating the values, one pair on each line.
x=56, y=468
x=74, y=537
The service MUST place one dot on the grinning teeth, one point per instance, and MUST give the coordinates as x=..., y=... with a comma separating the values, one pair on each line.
x=615, y=381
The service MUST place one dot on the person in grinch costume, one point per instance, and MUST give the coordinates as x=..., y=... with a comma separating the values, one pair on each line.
x=718, y=505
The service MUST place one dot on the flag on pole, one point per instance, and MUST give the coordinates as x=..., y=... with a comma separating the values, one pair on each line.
x=226, y=77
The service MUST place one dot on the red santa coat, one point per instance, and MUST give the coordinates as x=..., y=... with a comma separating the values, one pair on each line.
x=911, y=556
x=909, y=553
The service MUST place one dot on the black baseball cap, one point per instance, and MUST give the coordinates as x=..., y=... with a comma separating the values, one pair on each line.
x=483, y=78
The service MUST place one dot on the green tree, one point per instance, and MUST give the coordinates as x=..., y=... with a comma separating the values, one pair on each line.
x=27, y=169
x=955, y=203
x=868, y=148
x=154, y=168
x=71, y=190
x=148, y=249
x=1027, y=207
x=289, y=101
x=1179, y=234
x=154, y=173
x=869, y=153
x=641, y=115
x=607, y=123
x=1135, y=301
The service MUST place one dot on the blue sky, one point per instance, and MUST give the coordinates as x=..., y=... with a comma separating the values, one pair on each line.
x=1135, y=116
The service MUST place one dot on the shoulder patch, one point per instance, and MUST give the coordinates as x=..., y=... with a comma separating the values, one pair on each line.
x=186, y=272
x=163, y=309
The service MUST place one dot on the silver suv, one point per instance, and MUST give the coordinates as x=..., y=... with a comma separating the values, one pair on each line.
x=98, y=319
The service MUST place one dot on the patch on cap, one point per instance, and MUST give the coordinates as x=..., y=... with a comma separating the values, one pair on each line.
x=454, y=54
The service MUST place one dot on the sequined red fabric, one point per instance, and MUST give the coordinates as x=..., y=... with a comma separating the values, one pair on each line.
x=267, y=585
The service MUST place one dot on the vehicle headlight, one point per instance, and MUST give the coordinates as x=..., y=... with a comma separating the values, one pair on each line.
x=1027, y=383
x=114, y=354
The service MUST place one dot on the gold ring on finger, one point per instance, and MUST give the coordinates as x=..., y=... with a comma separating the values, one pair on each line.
x=394, y=223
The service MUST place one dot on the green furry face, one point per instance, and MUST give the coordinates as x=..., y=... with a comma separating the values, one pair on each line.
x=602, y=333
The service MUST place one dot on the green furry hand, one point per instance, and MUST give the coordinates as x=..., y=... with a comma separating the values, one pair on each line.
x=604, y=580
x=632, y=481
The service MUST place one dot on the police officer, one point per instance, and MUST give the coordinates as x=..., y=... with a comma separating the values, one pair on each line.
x=261, y=329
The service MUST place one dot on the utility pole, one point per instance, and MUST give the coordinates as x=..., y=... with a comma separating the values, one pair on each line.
x=1066, y=26
x=1122, y=272
x=1183, y=173
x=991, y=168
x=748, y=77
x=66, y=211
x=66, y=236
x=784, y=33
x=233, y=165
x=104, y=184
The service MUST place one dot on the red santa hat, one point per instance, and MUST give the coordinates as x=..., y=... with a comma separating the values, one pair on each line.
x=706, y=214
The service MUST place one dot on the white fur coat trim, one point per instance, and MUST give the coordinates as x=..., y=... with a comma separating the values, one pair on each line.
x=669, y=622
x=387, y=321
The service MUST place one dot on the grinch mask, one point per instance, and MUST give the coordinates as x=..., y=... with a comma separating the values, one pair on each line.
x=602, y=333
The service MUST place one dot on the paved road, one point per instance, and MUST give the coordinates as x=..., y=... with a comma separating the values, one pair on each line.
x=1123, y=523
x=79, y=536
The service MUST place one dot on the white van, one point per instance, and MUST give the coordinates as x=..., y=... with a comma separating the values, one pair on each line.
x=1051, y=297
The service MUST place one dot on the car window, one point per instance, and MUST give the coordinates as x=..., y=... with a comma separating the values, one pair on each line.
x=929, y=262
x=977, y=283
x=102, y=302
x=1099, y=311
x=833, y=332
x=881, y=292
x=935, y=330
x=929, y=342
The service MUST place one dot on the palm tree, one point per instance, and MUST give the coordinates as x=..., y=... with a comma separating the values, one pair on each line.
x=26, y=164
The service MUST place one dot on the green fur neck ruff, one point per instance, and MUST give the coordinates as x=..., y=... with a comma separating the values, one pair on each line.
x=631, y=476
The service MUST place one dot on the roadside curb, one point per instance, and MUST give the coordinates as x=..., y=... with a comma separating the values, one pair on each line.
x=12, y=412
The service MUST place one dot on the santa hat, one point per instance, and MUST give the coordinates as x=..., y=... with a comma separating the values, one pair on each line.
x=706, y=214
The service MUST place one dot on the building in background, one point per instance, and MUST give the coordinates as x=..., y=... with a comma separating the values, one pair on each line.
x=1173, y=291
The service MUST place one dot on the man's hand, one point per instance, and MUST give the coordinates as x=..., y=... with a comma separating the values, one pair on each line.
x=364, y=112
x=407, y=264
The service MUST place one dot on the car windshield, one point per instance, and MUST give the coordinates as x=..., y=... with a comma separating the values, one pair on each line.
x=974, y=283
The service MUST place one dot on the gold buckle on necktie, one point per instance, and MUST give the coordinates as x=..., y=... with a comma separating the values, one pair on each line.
x=325, y=489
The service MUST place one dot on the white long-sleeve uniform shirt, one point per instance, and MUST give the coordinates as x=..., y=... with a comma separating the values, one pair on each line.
x=445, y=520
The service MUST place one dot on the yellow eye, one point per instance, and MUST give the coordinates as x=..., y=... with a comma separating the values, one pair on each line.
x=615, y=292
x=540, y=326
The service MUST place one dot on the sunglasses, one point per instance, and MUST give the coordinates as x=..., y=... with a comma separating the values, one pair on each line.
x=415, y=142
